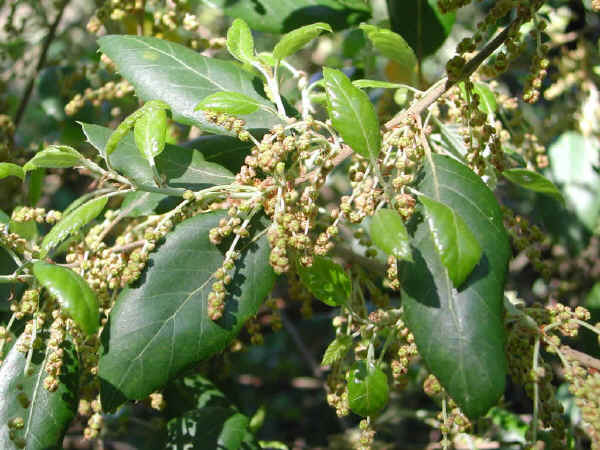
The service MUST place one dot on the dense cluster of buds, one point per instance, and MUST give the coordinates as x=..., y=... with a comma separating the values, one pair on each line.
x=110, y=91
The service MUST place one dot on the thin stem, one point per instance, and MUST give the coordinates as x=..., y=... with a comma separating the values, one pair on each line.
x=443, y=85
x=41, y=62
x=536, y=388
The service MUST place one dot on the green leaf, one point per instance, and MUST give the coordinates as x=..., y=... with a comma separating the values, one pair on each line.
x=376, y=84
x=368, y=390
x=421, y=24
x=534, y=182
x=455, y=243
x=150, y=132
x=215, y=427
x=337, y=349
x=282, y=16
x=180, y=77
x=352, y=114
x=183, y=168
x=227, y=151
x=232, y=103
x=140, y=203
x=460, y=333
x=71, y=223
x=389, y=234
x=54, y=157
x=27, y=230
x=240, y=42
x=572, y=161
x=11, y=170
x=487, y=99
x=161, y=325
x=326, y=280
x=36, y=185
x=72, y=292
x=391, y=45
x=293, y=41
x=48, y=414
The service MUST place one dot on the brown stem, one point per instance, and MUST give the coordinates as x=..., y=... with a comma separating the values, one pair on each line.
x=583, y=358
x=440, y=88
x=40, y=65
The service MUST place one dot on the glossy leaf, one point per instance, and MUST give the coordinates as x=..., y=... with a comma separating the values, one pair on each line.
x=391, y=45
x=215, y=427
x=572, y=161
x=368, y=390
x=421, y=23
x=282, y=16
x=183, y=168
x=150, y=132
x=326, y=280
x=389, y=234
x=337, y=349
x=240, y=42
x=72, y=292
x=48, y=414
x=71, y=223
x=352, y=114
x=11, y=170
x=455, y=243
x=293, y=41
x=227, y=151
x=460, y=333
x=161, y=326
x=140, y=203
x=534, y=182
x=54, y=157
x=36, y=185
x=232, y=103
x=181, y=77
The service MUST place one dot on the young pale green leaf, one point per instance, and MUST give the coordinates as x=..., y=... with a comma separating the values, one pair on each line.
x=421, y=23
x=46, y=415
x=72, y=292
x=389, y=234
x=71, y=223
x=11, y=170
x=368, y=390
x=487, y=99
x=352, y=114
x=337, y=349
x=160, y=326
x=179, y=76
x=267, y=58
x=391, y=45
x=240, y=42
x=534, y=182
x=232, y=103
x=455, y=242
x=376, y=84
x=54, y=157
x=150, y=132
x=326, y=280
x=293, y=41
x=460, y=333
